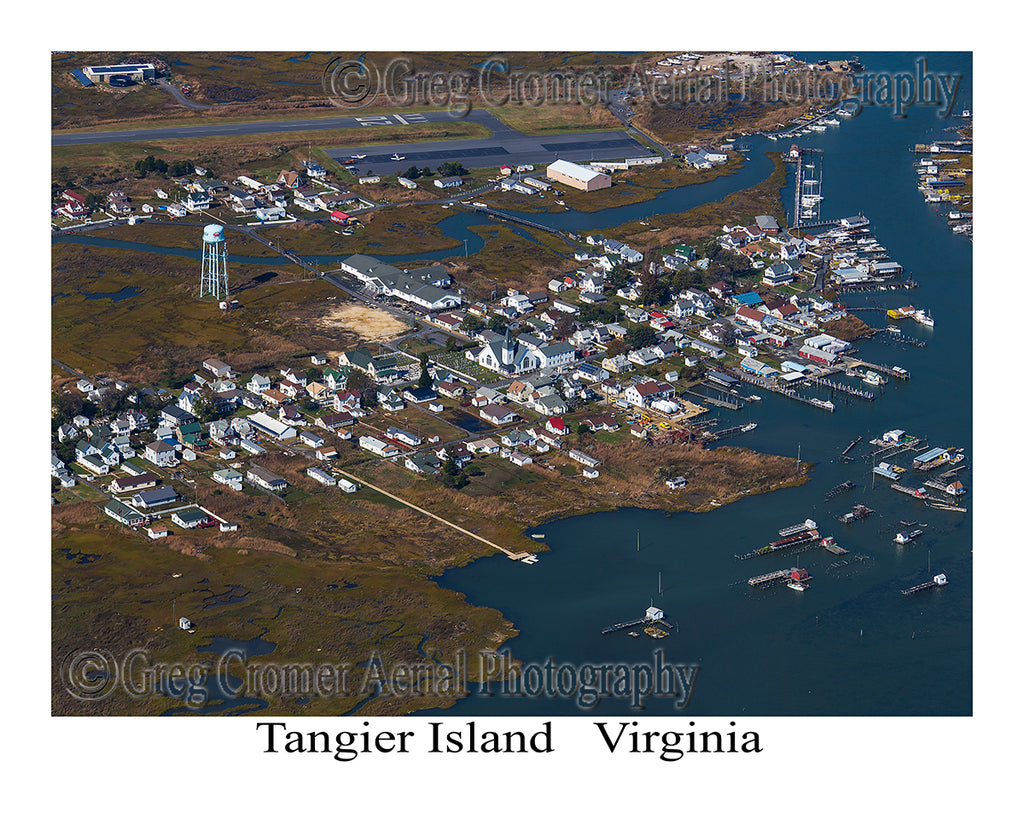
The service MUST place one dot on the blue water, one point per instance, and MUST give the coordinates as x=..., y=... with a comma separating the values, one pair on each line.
x=120, y=295
x=851, y=644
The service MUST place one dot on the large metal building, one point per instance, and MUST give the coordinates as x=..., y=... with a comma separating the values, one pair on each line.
x=576, y=176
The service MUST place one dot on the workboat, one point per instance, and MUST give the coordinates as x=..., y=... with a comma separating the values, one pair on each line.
x=873, y=378
x=796, y=585
x=748, y=427
x=921, y=317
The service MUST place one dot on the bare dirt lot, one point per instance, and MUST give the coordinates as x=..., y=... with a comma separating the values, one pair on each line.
x=367, y=322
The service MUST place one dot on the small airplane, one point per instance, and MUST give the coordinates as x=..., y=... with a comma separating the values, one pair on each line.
x=397, y=158
x=359, y=156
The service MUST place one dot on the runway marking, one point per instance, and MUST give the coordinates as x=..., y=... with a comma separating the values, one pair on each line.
x=401, y=120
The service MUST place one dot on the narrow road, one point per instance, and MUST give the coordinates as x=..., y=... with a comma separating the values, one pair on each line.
x=175, y=92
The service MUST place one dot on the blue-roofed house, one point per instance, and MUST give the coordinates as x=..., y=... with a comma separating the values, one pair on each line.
x=747, y=299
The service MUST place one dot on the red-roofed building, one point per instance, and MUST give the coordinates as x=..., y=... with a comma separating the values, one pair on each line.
x=557, y=426
x=751, y=317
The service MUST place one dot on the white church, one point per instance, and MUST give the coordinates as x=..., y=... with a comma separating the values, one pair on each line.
x=506, y=355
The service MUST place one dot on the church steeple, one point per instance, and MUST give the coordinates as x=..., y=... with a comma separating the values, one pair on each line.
x=508, y=348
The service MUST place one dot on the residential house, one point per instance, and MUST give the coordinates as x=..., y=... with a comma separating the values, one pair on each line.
x=123, y=513
x=498, y=415
x=191, y=518
x=160, y=453
x=154, y=497
x=229, y=477
x=320, y=476
x=263, y=477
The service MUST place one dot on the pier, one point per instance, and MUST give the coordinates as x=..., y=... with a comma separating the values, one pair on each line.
x=935, y=582
x=844, y=388
x=719, y=434
x=771, y=577
x=903, y=375
x=768, y=384
x=914, y=493
x=845, y=486
x=652, y=615
x=852, y=445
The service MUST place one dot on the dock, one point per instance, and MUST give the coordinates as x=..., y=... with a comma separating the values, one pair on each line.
x=825, y=383
x=845, y=486
x=935, y=582
x=852, y=445
x=771, y=577
x=920, y=494
x=902, y=374
x=719, y=434
x=651, y=616
x=836, y=550
x=768, y=384
x=779, y=545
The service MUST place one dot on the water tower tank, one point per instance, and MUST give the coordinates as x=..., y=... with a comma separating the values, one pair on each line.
x=213, y=233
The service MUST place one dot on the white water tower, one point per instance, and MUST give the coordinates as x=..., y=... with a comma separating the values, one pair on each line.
x=214, y=280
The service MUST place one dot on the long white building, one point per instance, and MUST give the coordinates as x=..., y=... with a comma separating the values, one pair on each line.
x=421, y=287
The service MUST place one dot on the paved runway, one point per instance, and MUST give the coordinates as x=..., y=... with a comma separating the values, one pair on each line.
x=360, y=120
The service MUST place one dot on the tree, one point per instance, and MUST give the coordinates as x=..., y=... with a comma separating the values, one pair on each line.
x=652, y=289
x=427, y=172
x=615, y=347
x=358, y=381
x=451, y=475
x=564, y=327
x=412, y=173
x=498, y=324
x=471, y=323
x=425, y=382
x=312, y=374
x=642, y=335
x=451, y=169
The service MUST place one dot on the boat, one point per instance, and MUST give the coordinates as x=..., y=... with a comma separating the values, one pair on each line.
x=921, y=317
x=892, y=328
x=797, y=585
x=634, y=634
x=537, y=537
x=753, y=397
x=873, y=378
x=655, y=632
x=906, y=537
x=748, y=427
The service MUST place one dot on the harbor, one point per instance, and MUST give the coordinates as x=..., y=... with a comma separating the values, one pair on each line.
x=594, y=570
